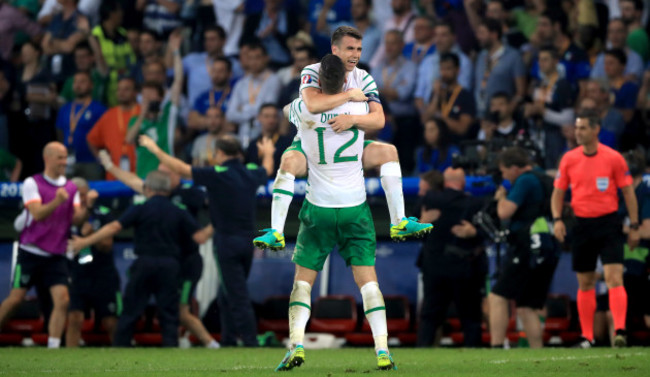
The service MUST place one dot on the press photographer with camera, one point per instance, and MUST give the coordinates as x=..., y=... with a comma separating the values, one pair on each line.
x=452, y=261
x=532, y=255
x=499, y=123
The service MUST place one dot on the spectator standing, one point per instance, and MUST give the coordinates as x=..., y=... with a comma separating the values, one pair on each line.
x=160, y=16
x=148, y=50
x=53, y=205
x=66, y=29
x=13, y=20
x=637, y=37
x=625, y=92
x=232, y=188
x=269, y=121
x=112, y=47
x=616, y=38
x=396, y=83
x=527, y=273
x=290, y=76
x=74, y=121
x=423, y=44
x=160, y=227
x=403, y=20
x=272, y=26
x=197, y=66
x=611, y=120
x=595, y=173
x=84, y=60
x=499, y=68
x=259, y=86
x=551, y=107
x=438, y=151
x=452, y=103
x=217, y=96
x=452, y=261
x=203, y=148
x=429, y=68
x=109, y=132
x=360, y=11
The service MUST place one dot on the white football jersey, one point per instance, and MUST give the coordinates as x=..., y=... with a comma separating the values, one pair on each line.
x=335, y=172
x=358, y=78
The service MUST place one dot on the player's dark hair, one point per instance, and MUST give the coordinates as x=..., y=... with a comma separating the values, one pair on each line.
x=514, y=156
x=450, y=57
x=345, y=31
x=331, y=74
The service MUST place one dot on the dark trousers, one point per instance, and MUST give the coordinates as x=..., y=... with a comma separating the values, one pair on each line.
x=439, y=292
x=408, y=136
x=234, y=255
x=151, y=275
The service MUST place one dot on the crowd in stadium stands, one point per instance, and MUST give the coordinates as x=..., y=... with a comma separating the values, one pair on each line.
x=459, y=80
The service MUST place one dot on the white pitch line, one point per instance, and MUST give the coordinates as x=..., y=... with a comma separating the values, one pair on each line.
x=568, y=358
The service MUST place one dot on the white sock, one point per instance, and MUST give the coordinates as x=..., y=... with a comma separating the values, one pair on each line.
x=53, y=342
x=391, y=182
x=213, y=344
x=282, y=197
x=375, y=310
x=299, y=311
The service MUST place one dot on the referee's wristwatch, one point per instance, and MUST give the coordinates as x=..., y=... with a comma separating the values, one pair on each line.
x=634, y=226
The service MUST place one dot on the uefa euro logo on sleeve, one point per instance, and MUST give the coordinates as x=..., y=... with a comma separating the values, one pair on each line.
x=602, y=183
x=306, y=79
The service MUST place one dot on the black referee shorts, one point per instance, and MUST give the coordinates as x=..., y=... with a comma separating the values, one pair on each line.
x=598, y=236
x=34, y=269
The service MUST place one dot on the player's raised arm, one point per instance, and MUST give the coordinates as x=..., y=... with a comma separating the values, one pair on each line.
x=174, y=164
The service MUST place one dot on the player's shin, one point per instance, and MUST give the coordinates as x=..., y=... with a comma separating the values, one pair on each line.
x=299, y=311
x=391, y=182
x=282, y=197
x=375, y=310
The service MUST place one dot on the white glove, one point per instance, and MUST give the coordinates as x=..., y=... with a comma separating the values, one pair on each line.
x=105, y=159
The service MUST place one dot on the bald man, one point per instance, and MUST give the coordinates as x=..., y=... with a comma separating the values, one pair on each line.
x=452, y=260
x=53, y=204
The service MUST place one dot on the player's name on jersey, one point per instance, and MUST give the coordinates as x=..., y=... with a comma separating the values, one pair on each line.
x=324, y=117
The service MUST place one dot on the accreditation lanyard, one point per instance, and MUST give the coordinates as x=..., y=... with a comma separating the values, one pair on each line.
x=254, y=90
x=491, y=62
x=224, y=94
x=544, y=95
x=446, y=106
x=75, y=117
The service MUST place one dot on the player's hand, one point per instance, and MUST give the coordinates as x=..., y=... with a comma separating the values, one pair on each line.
x=105, y=159
x=341, y=123
x=265, y=146
x=91, y=197
x=61, y=195
x=76, y=244
x=633, y=238
x=356, y=95
x=147, y=142
x=559, y=230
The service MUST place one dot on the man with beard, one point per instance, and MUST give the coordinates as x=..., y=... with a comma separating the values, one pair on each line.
x=217, y=96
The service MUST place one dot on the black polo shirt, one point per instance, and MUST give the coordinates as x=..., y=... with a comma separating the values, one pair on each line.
x=232, y=192
x=160, y=226
x=191, y=199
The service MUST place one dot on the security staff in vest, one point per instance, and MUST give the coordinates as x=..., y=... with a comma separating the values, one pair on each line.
x=528, y=270
x=160, y=226
x=453, y=261
x=232, y=191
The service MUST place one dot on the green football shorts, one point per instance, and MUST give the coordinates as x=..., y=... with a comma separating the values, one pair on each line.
x=352, y=229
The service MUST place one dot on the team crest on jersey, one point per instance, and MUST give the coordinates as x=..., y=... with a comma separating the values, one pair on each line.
x=306, y=79
x=602, y=183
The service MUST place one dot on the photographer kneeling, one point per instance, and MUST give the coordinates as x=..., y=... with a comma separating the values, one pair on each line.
x=532, y=255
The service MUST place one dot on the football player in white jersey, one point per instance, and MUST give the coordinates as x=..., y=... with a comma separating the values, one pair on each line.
x=334, y=213
x=358, y=86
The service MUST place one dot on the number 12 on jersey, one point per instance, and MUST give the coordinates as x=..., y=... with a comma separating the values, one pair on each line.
x=337, y=155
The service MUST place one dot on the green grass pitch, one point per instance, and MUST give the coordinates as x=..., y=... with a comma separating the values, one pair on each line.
x=326, y=363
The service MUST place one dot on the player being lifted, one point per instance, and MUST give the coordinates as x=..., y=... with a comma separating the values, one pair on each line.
x=334, y=212
x=358, y=86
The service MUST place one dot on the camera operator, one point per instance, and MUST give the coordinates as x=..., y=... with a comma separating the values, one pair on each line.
x=499, y=123
x=528, y=271
x=452, y=261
